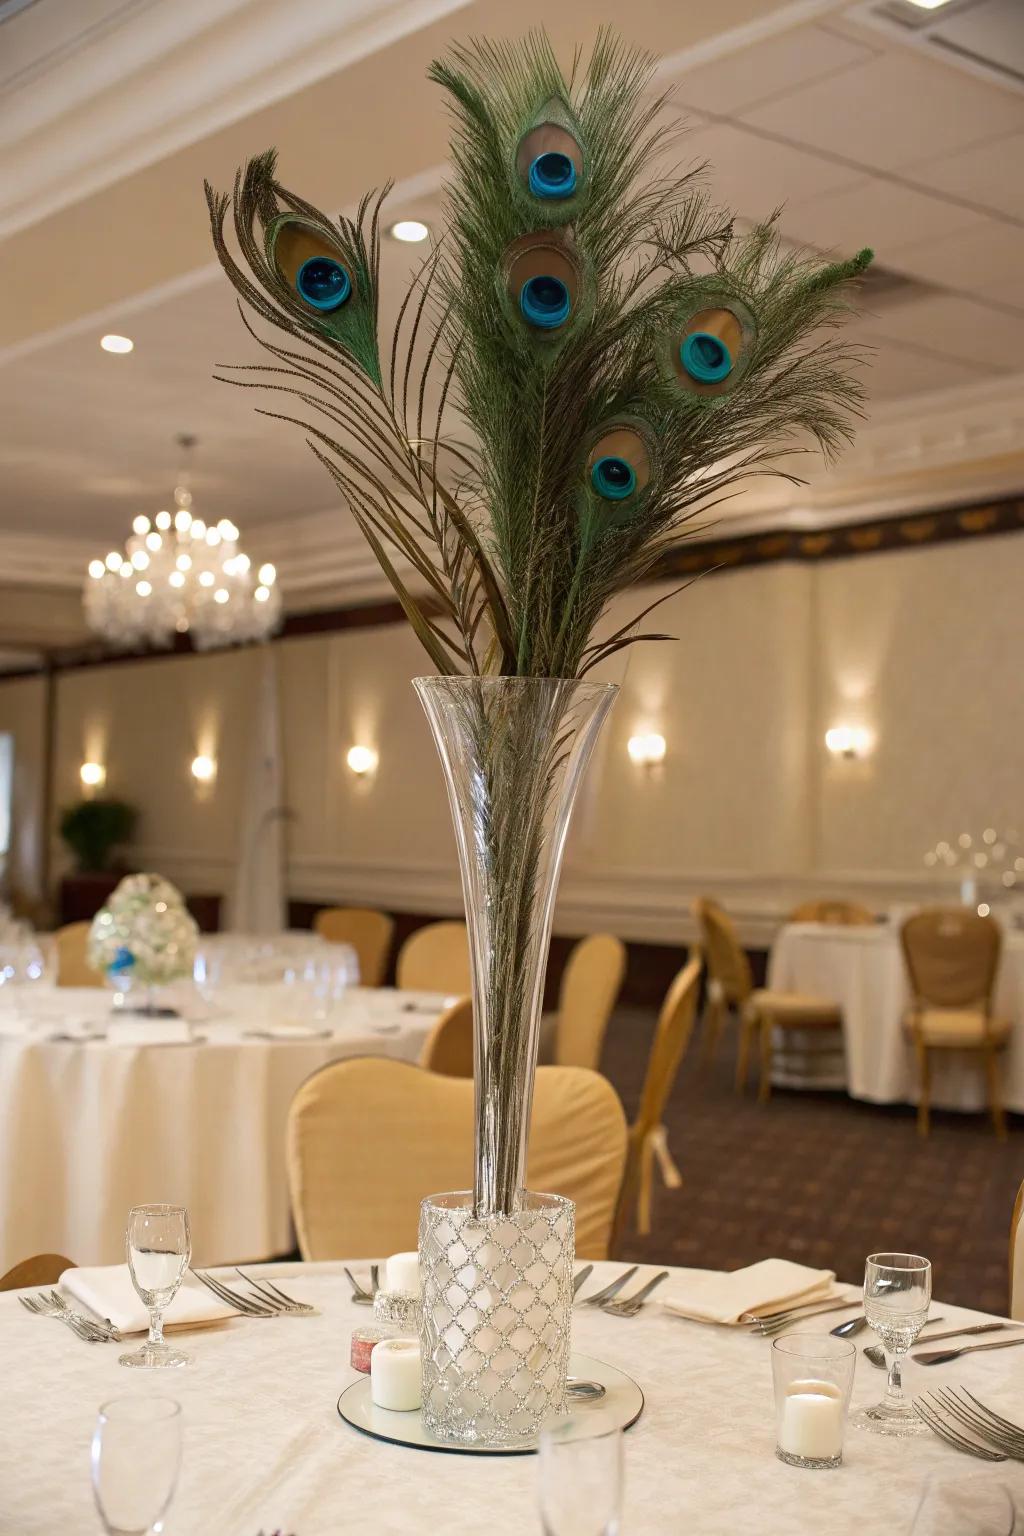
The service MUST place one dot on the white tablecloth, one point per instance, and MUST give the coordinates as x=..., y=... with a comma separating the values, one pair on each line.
x=266, y=1450
x=862, y=969
x=90, y=1128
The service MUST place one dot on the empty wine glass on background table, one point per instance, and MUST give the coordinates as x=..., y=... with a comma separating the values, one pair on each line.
x=159, y=1247
x=136, y=1455
x=580, y=1469
x=897, y=1293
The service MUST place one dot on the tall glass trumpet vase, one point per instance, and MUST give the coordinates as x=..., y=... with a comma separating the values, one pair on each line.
x=496, y=1262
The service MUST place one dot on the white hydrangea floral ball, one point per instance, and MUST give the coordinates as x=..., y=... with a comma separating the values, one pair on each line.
x=145, y=932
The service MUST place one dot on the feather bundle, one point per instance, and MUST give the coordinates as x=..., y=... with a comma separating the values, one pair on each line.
x=621, y=356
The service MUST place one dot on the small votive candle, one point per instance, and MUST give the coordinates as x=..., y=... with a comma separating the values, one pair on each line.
x=813, y=1377
x=402, y=1273
x=364, y=1342
x=395, y=1375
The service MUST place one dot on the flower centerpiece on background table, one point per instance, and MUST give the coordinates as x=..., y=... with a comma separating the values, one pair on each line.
x=144, y=937
x=589, y=354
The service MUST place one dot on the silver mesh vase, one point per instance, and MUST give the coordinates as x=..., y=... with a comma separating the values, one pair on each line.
x=497, y=1302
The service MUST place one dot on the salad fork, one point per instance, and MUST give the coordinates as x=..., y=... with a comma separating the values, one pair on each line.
x=632, y=1304
x=80, y=1327
x=600, y=1297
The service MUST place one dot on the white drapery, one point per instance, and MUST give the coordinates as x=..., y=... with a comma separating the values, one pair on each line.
x=258, y=899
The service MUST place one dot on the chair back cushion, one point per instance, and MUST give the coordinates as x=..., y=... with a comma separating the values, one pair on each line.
x=41, y=1269
x=590, y=986
x=436, y=959
x=952, y=955
x=724, y=955
x=449, y=1046
x=73, y=970
x=367, y=931
x=1017, y=1259
x=368, y=1139
x=671, y=1037
x=840, y=914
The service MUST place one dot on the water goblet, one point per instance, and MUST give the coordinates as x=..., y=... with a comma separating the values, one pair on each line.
x=897, y=1292
x=159, y=1247
x=580, y=1467
x=136, y=1455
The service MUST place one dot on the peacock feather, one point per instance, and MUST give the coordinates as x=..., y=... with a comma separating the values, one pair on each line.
x=590, y=355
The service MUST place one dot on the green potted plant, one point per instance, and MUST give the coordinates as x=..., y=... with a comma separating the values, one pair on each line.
x=92, y=829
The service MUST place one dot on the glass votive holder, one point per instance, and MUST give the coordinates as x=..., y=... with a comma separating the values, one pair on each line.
x=813, y=1378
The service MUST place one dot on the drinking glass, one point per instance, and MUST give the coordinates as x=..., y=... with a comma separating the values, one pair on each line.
x=897, y=1291
x=580, y=1465
x=159, y=1247
x=813, y=1377
x=136, y=1454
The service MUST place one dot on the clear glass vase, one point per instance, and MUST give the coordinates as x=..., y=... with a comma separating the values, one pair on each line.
x=514, y=750
x=496, y=1262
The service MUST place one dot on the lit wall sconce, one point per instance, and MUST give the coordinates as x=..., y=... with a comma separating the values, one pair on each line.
x=848, y=741
x=204, y=769
x=362, y=760
x=646, y=751
x=92, y=775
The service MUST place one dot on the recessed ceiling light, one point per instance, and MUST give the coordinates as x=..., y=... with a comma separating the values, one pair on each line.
x=929, y=5
x=410, y=230
x=117, y=343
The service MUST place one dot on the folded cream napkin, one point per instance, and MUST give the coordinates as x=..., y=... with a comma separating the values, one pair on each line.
x=149, y=1032
x=108, y=1292
x=717, y=1296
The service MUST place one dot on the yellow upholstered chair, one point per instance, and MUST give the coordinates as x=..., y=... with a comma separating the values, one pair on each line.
x=368, y=1139
x=952, y=956
x=42, y=1269
x=368, y=932
x=760, y=1010
x=73, y=970
x=1017, y=1259
x=590, y=986
x=648, y=1140
x=449, y=1046
x=436, y=959
x=840, y=914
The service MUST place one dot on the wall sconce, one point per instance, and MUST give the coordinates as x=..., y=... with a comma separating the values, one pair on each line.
x=204, y=769
x=362, y=760
x=848, y=741
x=646, y=751
x=92, y=775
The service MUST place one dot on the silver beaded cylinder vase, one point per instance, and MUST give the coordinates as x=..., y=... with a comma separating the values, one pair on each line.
x=495, y=1326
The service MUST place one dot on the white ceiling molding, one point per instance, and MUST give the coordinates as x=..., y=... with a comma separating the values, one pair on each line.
x=131, y=82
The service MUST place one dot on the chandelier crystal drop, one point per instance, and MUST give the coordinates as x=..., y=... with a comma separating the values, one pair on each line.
x=176, y=576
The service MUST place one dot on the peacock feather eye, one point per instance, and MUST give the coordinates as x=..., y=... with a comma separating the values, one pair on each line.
x=706, y=358
x=619, y=464
x=545, y=301
x=613, y=478
x=550, y=163
x=323, y=283
x=711, y=346
x=543, y=281
x=552, y=175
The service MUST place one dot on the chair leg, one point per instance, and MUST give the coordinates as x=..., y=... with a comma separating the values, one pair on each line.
x=995, y=1098
x=748, y=1025
x=765, y=1090
x=627, y=1198
x=714, y=1017
x=671, y=1177
x=645, y=1194
x=924, y=1099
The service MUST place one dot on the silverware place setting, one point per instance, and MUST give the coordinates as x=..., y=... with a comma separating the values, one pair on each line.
x=361, y=1294
x=263, y=1299
x=582, y=1278
x=89, y=1329
x=876, y=1354
x=609, y=1291
x=774, y=1322
x=940, y=1356
x=964, y=1422
x=629, y=1306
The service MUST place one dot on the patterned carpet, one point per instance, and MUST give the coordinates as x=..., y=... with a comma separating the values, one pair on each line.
x=822, y=1179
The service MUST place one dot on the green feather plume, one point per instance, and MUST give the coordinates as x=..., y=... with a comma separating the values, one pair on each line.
x=590, y=354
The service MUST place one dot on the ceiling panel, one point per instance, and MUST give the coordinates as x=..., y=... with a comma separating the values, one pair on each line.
x=959, y=328
x=882, y=214
x=899, y=372
x=987, y=259
x=893, y=111
x=768, y=68
x=753, y=175
x=991, y=174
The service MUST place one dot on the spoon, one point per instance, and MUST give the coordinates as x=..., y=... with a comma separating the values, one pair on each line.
x=851, y=1326
x=587, y=1391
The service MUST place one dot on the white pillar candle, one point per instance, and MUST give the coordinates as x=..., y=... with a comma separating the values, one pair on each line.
x=395, y=1375
x=402, y=1273
x=811, y=1423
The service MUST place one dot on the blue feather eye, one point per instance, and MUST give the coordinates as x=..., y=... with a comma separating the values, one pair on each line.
x=323, y=283
x=545, y=302
x=552, y=175
x=613, y=478
x=706, y=358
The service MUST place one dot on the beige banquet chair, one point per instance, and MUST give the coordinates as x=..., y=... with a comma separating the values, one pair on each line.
x=837, y=914
x=760, y=1009
x=368, y=932
x=590, y=988
x=952, y=956
x=73, y=970
x=449, y=1046
x=648, y=1139
x=435, y=959
x=1017, y=1258
x=368, y=1139
x=41, y=1269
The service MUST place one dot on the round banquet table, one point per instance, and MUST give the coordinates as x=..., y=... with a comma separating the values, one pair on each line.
x=91, y=1125
x=862, y=969
x=265, y=1450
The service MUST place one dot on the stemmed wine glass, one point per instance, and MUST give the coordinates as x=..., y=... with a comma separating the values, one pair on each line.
x=897, y=1291
x=580, y=1467
x=136, y=1454
x=159, y=1247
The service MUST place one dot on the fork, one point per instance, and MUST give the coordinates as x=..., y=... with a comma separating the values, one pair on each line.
x=600, y=1297
x=927, y=1413
x=262, y=1286
x=768, y=1327
x=248, y=1305
x=78, y=1325
x=988, y=1427
x=104, y=1324
x=581, y=1279
x=360, y=1294
x=632, y=1304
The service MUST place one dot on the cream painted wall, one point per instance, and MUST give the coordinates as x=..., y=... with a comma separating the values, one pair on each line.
x=923, y=647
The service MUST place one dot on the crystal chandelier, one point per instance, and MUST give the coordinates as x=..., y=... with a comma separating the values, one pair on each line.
x=178, y=575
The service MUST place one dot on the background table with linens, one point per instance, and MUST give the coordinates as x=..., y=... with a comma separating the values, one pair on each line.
x=90, y=1127
x=862, y=969
x=265, y=1450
